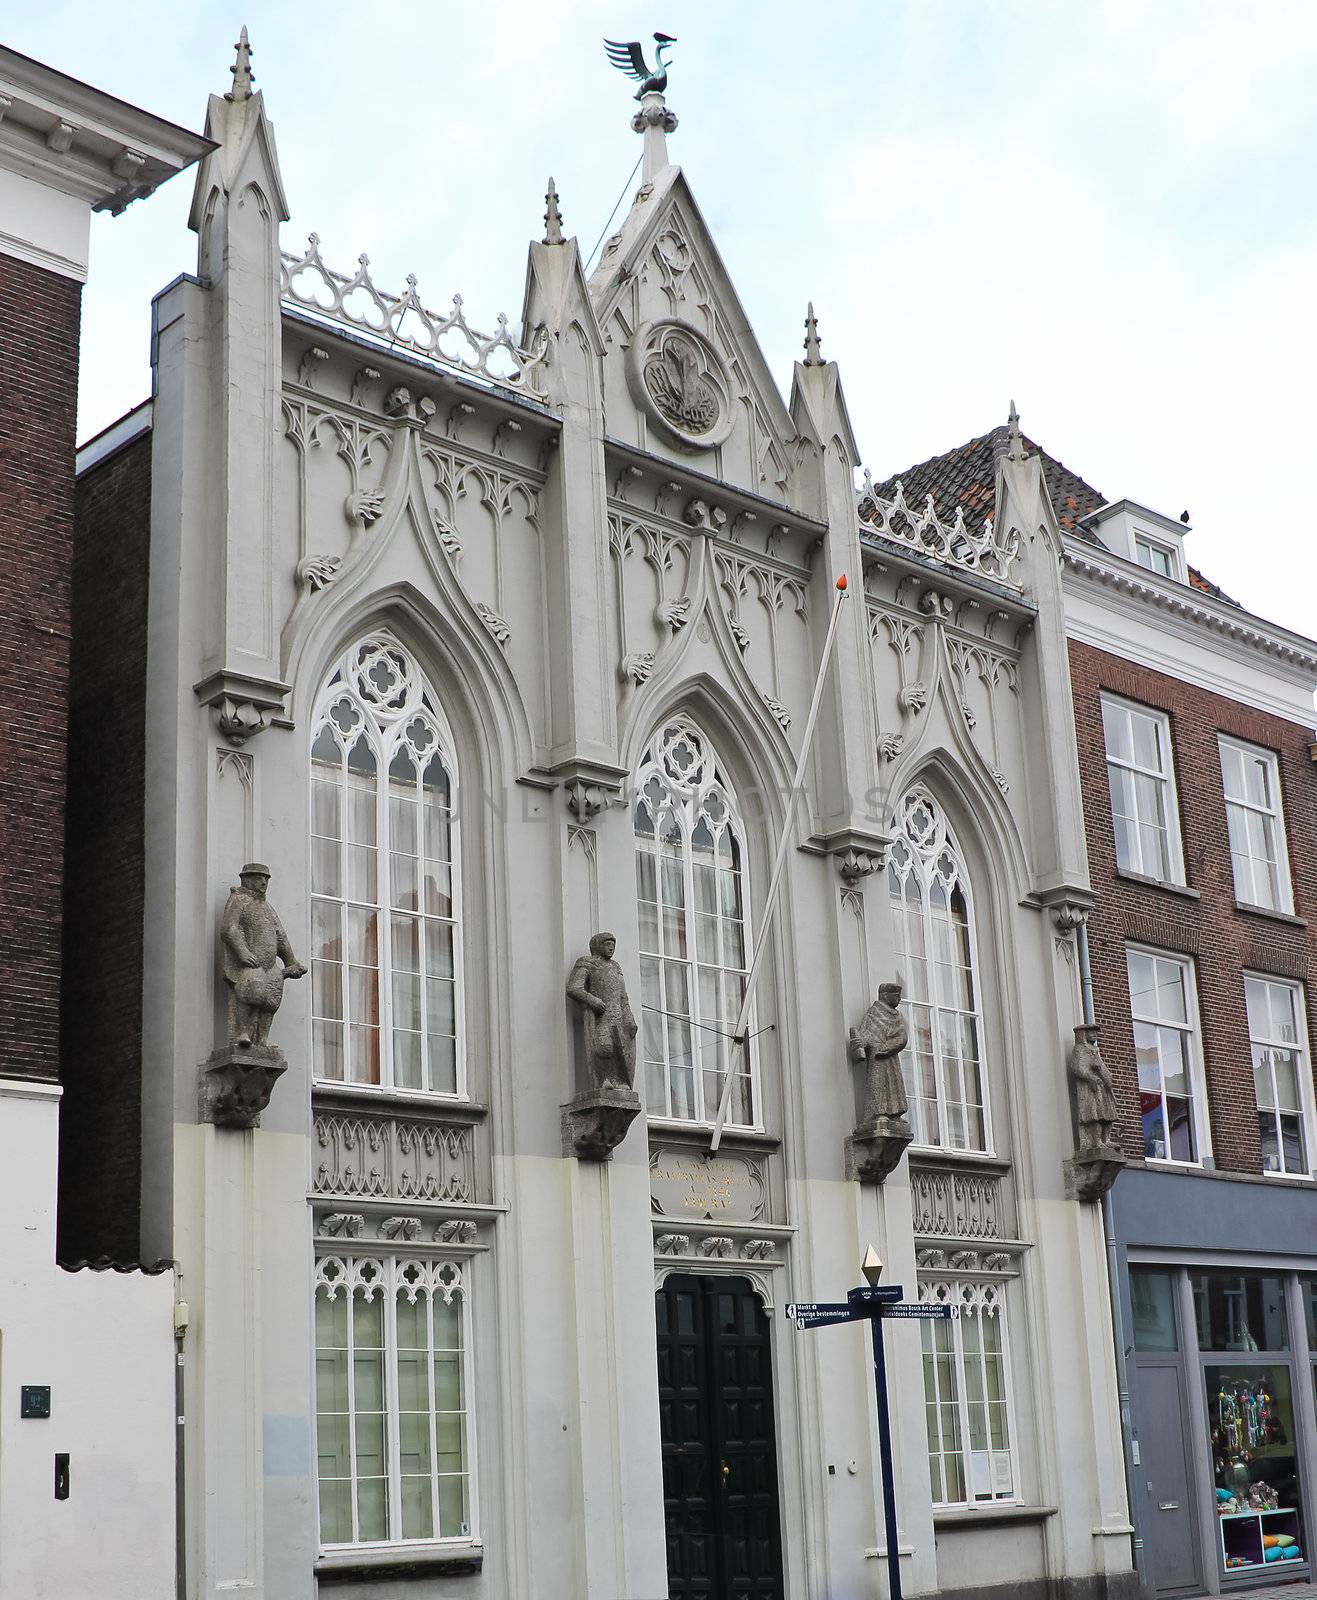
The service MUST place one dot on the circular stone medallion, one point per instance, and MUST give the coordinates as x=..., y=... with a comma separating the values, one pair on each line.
x=679, y=379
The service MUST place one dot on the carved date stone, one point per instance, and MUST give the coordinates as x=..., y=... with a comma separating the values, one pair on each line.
x=595, y=1122
x=1098, y=1157
x=877, y=1144
x=238, y=1079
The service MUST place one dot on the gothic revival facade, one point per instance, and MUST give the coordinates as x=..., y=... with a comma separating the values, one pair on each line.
x=486, y=645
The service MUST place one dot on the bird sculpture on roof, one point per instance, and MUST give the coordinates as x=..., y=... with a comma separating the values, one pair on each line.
x=630, y=58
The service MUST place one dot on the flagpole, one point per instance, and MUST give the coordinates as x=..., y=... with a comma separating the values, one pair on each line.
x=739, y=1038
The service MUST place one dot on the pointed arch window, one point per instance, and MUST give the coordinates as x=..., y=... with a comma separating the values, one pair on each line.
x=694, y=929
x=385, y=899
x=933, y=918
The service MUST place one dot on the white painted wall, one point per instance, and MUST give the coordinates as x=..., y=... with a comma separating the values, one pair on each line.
x=104, y=1343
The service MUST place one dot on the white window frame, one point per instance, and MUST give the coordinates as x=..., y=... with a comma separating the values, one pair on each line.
x=1174, y=560
x=987, y=1302
x=1307, y=1112
x=1273, y=815
x=384, y=727
x=686, y=801
x=1199, y=1118
x=381, y=1273
x=926, y=855
x=1163, y=776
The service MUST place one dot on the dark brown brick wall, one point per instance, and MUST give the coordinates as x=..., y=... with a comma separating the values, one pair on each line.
x=1223, y=940
x=100, y=1123
x=39, y=324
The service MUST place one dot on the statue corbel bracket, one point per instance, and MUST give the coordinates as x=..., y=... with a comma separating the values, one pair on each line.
x=243, y=705
x=236, y=1084
x=1090, y=1173
x=875, y=1149
x=595, y=1123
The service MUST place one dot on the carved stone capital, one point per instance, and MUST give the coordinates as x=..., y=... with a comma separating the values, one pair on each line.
x=589, y=786
x=242, y=705
x=875, y=1148
x=1089, y=1174
x=236, y=1084
x=856, y=852
x=1069, y=908
x=596, y=1122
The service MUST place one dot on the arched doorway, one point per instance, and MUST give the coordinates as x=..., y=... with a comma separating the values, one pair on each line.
x=720, y=1496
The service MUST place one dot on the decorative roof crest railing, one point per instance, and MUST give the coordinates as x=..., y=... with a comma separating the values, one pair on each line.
x=989, y=554
x=402, y=322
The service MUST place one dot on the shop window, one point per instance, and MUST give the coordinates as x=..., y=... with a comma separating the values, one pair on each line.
x=1142, y=783
x=386, y=990
x=694, y=929
x=933, y=918
x=1164, y=1009
x=393, y=1428
x=1239, y=1311
x=1152, y=1300
x=967, y=1395
x=1251, y=779
x=1255, y=1466
x=1282, y=1078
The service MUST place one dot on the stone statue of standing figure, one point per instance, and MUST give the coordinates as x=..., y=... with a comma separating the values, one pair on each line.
x=598, y=986
x=254, y=946
x=878, y=1042
x=1095, y=1099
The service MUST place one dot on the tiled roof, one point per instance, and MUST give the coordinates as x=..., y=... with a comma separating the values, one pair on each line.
x=967, y=477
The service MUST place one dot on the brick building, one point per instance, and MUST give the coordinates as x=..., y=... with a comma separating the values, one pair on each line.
x=1195, y=724
x=86, y=1425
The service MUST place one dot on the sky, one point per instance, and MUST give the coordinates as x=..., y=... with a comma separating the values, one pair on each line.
x=1102, y=209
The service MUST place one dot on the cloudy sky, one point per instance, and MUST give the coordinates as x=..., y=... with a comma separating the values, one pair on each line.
x=1104, y=209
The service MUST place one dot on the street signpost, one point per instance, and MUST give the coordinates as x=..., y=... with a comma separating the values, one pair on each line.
x=874, y=1305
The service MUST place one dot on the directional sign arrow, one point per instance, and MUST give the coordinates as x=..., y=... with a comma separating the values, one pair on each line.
x=815, y=1314
x=917, y=1313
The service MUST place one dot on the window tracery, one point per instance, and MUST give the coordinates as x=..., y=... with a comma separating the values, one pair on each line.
x=385, y=899
x=694, y=929
x=933, y=918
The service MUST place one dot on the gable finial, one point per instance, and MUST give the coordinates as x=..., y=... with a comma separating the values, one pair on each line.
x=241, y=69
x=1015, y=443
x=813, y=354
x=552, y=216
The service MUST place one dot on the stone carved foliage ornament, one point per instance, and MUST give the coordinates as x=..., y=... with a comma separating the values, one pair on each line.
x=679, y=379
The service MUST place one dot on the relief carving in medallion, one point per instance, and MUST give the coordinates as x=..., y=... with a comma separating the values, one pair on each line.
x=678, y=377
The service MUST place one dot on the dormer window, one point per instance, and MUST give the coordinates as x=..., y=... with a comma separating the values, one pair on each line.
x=1157, y=557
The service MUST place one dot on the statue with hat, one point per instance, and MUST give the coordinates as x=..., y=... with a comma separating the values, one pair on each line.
x=257, y=958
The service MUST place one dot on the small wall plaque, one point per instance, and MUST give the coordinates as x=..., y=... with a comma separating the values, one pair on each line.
x=34, y=1400
x=691, y=1183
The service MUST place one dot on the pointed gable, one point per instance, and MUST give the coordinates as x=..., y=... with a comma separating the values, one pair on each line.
x=683, y=373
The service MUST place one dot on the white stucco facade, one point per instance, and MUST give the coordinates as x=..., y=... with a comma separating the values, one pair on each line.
x=565, y=564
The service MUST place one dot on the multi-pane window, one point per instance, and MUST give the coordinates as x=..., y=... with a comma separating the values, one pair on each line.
x=933, y=921
x=1281, y=1075
x=386, y=999
x=694, y=929
x=1257, y=832
x=1157, y=557
x=967, y=1395
x=1142, y=781
x=1164, y=1007
x=393, y=1434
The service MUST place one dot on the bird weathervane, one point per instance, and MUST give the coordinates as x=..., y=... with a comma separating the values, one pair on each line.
x=630, y=58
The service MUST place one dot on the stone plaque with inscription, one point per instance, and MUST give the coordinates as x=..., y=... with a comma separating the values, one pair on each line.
x=694, y=1184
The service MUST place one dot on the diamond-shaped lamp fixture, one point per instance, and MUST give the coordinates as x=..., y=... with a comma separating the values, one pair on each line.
x=871, y=1266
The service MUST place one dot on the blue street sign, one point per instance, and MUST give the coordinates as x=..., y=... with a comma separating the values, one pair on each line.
x=814, y=1315
x=920, y=1313
x=884, y=1295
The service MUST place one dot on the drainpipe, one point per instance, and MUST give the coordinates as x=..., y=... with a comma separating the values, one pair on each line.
x=180, y=1423
x=1117, y=1300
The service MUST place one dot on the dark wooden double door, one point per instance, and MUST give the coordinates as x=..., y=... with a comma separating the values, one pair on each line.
x=719, y=1453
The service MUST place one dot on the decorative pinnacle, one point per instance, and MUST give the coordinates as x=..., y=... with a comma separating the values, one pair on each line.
x=552, y=216
x=1016, y=451
x=813, y=357
x=241, y=69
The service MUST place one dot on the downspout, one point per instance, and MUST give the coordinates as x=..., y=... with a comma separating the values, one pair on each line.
x=180, y=1423
x=1117, y=1300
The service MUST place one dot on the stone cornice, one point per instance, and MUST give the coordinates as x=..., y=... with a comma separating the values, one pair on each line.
x=1192, y=606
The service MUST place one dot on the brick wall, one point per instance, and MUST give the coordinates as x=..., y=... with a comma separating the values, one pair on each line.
x=100, y=1124
x=1223, y=940
x=39, y=323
